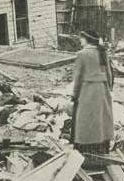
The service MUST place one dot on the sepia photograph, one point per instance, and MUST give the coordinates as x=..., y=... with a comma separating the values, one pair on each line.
x=61, y=90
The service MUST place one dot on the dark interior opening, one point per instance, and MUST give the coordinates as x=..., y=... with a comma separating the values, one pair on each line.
x=3, y=29
x=22, y=19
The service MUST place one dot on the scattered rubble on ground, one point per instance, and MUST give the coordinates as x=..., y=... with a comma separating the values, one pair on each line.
x=30, y=127
x=37, y=126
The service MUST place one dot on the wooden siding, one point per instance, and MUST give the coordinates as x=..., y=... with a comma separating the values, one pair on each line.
x=42, y=22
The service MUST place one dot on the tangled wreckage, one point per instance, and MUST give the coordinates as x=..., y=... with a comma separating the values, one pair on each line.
x=29, y=134
x=35, y=138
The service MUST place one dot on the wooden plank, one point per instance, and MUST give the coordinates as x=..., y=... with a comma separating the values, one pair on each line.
x=21, y=64
x=61, y=62
x=116, y=173
x=62, y=167
x=91, y=173
x=105, y=159
x=36, y=66
x=72, y=166
x=83, y=175
x=44, y=171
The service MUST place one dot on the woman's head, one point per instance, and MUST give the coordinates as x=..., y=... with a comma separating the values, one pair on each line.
x=90, y=37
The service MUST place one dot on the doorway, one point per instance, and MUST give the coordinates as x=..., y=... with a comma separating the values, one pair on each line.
x=3, y=29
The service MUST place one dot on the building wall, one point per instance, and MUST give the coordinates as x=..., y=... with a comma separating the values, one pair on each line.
x=42, y=22
x=6, y=8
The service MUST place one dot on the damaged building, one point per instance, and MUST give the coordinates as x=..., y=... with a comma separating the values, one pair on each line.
x=40, y=22
x=24, y=20
x=77, y=15
x=36, y=90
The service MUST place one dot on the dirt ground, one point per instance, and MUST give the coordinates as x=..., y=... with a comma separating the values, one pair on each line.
x=30, y=80
x=34, y=56
x=38, y=81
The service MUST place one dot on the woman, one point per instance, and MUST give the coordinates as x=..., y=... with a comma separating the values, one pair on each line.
x=92, y=127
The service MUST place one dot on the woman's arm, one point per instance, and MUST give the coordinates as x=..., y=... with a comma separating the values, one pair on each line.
x=79, y=71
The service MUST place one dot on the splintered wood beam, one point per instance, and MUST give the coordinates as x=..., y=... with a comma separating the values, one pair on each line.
x=62, y=167
x=70, y=169
x=116, y=173
x=92, y=173
x=44, y=171
x=83, y=175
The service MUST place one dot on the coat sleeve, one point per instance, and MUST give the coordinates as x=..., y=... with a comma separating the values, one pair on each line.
x=79, y=71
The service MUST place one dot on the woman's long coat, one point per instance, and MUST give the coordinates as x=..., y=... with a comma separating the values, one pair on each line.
x=94, y=120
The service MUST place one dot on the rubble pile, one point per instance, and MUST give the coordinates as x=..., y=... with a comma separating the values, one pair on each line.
x=118, y=60
x=118, y=96
x=29, y=129
x=118, y=112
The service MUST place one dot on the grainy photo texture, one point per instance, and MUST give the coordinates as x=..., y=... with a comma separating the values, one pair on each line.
x=62, y=90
